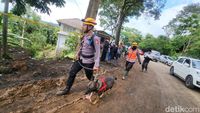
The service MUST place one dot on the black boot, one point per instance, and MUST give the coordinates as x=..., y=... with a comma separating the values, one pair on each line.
x=63, y=92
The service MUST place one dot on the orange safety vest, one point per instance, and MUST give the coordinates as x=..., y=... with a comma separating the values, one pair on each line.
x=132, y=55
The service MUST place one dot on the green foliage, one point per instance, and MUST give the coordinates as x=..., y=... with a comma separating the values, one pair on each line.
x=114, y=13
x=185, y=29
x=130, y=35
x=185, y=22
x=36, y=36
x=160, y=43
x=39, y=5
x=72, y=41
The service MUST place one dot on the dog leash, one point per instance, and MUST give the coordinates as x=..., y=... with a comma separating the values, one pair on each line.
x=84, y=66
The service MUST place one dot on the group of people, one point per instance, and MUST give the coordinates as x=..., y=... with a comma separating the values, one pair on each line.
x=111, y=51
x=88, y=56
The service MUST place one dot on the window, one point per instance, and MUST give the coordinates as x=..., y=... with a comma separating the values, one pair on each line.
x=181, y=60
x=196, y=64
x=187, y=62
x=170, y=58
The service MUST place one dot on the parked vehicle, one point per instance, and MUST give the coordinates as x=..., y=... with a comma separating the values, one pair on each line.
x=166, y=59
x=188, y=69
x=155, y=55
x=162, y=58
x=169, y=61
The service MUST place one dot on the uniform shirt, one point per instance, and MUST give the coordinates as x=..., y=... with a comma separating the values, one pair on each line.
x=137, y=55
x=87, y=49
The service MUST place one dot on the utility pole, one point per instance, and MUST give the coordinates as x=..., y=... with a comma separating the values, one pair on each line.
x=93, y=8
x=5, y=28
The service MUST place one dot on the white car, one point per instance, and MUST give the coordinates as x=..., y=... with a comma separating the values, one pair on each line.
x=169, y=61
x=166, y=59
x=187, y=69
x=155, y=55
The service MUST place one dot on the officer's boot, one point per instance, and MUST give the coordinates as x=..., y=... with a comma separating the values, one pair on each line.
x=64, y=91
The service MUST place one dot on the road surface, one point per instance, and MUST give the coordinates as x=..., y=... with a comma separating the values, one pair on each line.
x=154, y=91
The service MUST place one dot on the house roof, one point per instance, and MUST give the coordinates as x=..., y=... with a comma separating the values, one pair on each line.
x=73, y=22
x=101, y=33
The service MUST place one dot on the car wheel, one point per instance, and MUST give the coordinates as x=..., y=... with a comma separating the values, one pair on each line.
x=189, y=82
x=172, y=71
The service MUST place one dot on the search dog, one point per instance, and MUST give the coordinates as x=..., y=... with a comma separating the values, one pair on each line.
x=99, y=86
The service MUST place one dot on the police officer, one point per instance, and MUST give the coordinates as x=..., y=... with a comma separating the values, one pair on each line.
x=131, y=56
x=87, y=57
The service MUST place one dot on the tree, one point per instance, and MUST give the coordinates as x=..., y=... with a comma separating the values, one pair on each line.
x=185, y=21
x=130, y=35
x=161, y=43
x=20, y=8
x=129, y=8
x=39, y=5
x=93, y=8
x=4, y=30
x=108, y=16
x=185, y=29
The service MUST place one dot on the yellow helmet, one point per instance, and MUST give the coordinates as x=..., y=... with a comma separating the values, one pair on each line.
x=134, y=44
x=89, y=21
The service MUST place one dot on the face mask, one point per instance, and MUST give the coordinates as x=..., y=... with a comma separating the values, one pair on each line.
x=134, y=47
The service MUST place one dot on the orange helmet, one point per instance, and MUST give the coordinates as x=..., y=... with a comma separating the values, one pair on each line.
x=89, y=21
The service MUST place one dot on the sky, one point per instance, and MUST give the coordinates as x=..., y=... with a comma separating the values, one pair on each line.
x=78, y=8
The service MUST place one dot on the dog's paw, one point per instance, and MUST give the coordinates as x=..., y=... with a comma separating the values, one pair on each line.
x=101, y=96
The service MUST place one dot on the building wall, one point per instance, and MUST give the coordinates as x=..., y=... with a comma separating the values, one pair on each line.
x=62, y=37
x=68, y=29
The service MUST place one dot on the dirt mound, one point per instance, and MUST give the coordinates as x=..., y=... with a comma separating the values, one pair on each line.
x=39, y=95
x=30, y=85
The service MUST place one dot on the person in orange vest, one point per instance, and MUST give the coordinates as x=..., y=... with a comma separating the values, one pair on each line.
x=131, y=56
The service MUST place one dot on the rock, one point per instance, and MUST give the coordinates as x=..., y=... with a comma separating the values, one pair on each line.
x=36, y=73
x=5, y=70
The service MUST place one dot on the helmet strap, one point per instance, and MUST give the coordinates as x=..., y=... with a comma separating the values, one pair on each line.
x=88, y=29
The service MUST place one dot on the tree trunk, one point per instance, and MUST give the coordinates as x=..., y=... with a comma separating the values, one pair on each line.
x=120, y=21
x=187, y=46
x=118, y=31
x=93, y=8
x=23, y=29
x=5, y=27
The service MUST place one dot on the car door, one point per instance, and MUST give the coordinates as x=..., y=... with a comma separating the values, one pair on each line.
x=178, y=66
x=165, y=59
x=185, y=68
